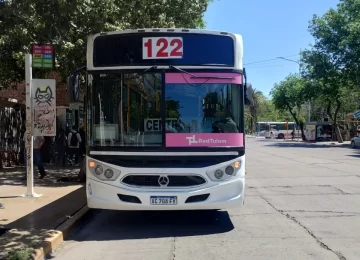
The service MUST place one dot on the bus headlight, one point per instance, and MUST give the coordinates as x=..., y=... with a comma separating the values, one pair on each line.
x=224, y=173
x=218, y=174
x=103, y=172
x=229, y=170
x=109, y=173
x=98, y=169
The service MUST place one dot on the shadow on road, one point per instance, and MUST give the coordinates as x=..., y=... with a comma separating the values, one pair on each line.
x=306, y=145
x=121, y=225
x=56, y=176
x=356, y=153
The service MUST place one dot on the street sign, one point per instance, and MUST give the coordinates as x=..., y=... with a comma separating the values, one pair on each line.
x=43, y=56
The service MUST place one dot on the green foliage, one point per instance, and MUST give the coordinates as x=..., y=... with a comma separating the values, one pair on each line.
x=331, y=65
x=68, y=23
x=337, y=34
x=289, y=95
x=24, y=253
x=263, y=109
x=269, y=113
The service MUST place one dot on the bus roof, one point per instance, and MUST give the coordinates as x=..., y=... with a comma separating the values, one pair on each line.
x=163, y=30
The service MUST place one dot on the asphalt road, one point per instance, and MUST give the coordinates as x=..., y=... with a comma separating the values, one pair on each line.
x=303, y=202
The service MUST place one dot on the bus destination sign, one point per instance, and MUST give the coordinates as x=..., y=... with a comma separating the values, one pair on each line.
x=149, y=49
x=162, y=48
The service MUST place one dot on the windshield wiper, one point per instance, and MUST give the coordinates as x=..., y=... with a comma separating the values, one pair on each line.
x=142, y=73
x=198, y=77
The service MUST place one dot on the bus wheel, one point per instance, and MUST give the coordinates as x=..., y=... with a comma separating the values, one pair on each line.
x=281, y=136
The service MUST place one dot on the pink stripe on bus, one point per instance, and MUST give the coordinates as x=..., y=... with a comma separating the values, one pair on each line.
x=204, y=140
x=186, y=78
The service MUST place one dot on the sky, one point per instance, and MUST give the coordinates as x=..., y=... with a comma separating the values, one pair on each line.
x=270, y=29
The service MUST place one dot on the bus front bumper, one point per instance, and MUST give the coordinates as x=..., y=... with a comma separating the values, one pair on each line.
x=225, y=195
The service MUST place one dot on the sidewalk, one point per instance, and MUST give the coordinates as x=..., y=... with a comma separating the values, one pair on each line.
x=28, y=221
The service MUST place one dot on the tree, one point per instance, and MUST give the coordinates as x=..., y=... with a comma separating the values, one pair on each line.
x=254, y=109
x=288, y=95
x=332, y=63
x=351, y=104
x=329, y=83
x=66, y=24
x=337, y=34
x=268, y=112
x=262, y=109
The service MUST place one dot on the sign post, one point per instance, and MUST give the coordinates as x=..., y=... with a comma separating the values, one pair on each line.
x=287, y=129
x=40, y=106
x=29, y=137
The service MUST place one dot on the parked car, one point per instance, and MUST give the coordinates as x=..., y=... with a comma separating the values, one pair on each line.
x=355, y=141
x=354, y=131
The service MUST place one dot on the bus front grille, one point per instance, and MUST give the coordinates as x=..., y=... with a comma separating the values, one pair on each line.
x=173, y=180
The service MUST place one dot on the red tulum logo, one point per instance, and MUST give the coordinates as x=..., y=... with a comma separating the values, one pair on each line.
x=192, y=140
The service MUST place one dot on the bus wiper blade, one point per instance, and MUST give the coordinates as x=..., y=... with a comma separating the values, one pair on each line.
x=141, y=73
x=148, y=69
x=198, y=77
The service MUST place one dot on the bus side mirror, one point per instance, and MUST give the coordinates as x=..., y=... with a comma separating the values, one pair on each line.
x=73, y=88
x=248, y=93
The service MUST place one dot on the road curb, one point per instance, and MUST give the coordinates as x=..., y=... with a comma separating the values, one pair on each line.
x=60, y=234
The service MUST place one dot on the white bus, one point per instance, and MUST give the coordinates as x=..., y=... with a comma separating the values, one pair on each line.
x=165, y=120
x=277, y=130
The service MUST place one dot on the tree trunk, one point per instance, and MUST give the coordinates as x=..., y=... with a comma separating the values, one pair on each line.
x=298, y=123
x=303, y=136
x=338, y=134
x=334, y=119
x=252, y=125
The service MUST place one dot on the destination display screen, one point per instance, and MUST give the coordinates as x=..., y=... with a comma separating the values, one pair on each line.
x=149, y=49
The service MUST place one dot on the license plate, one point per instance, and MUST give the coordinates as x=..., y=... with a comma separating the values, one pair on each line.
x=163, y=200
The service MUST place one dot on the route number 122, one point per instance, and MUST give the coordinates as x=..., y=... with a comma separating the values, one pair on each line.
x=162, y=48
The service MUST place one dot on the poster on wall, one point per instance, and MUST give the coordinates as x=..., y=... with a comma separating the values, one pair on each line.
x=43, y=99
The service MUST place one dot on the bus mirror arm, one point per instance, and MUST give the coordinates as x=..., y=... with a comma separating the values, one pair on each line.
x=73, y=85
x=248, y=91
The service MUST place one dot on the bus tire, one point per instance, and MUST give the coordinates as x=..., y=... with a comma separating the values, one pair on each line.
x=281, y=136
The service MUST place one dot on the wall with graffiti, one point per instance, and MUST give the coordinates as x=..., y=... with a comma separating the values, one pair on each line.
x=12, y=128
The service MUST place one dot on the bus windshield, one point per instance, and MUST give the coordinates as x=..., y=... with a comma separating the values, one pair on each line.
x=127, y=110
x=203, y=108
x=119, y=106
